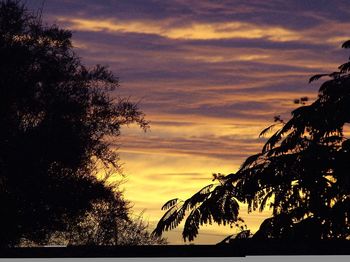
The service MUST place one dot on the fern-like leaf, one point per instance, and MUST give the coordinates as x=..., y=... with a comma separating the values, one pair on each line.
x=165, y=222
x=197, y=198
x=191, y=225
x=250, y=160
x=266, y=130
x=170, y=203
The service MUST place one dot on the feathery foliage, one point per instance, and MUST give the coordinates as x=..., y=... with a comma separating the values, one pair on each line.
x=209, y=205
x=302, y=173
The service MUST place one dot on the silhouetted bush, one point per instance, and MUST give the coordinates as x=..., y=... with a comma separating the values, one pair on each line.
x=57, y=120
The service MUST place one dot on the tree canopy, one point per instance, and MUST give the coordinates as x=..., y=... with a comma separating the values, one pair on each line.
x=57, y=120
x=302, y=174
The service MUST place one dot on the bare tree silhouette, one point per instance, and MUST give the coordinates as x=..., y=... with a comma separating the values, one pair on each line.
x=302, y=173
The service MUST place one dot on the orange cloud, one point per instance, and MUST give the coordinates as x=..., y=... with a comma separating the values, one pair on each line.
x=194, y=31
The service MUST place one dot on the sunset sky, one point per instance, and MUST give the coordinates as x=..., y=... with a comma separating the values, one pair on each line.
x=209, y=75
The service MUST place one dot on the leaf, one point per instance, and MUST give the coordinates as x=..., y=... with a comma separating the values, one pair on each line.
x=191, y=225
x=275, y=138
x=199, y=197
x=289, y=143
x=316, y=77
x=263, y=202
x=271, y=142
x=165, y=222
x=167, y=214
x=344, y=67
x=327, y=85
x=179, y=216
x=346, y=44
x=266, y=130
x=205, y=189
x=250, y=160
x=170, y=203
x=335, y=75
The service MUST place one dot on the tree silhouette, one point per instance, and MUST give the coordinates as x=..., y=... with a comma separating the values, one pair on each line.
x=57, y=120
x=103, y=225
x=302, y=173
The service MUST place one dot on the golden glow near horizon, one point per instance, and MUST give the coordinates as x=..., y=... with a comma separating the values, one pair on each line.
x=209, y=82
x=156, y=175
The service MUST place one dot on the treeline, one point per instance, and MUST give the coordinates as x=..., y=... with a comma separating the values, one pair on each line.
x=57, y=120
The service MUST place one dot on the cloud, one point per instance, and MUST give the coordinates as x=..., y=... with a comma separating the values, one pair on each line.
x=292, y=14
x=194, y=31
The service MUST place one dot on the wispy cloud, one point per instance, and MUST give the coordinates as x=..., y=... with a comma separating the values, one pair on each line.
x=193, y=31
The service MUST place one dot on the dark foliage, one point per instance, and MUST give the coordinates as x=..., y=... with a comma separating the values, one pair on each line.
x=207, y=206
x=302, y=172
x=56, y=118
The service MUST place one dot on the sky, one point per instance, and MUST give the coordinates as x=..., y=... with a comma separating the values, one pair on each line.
x=209, y=75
